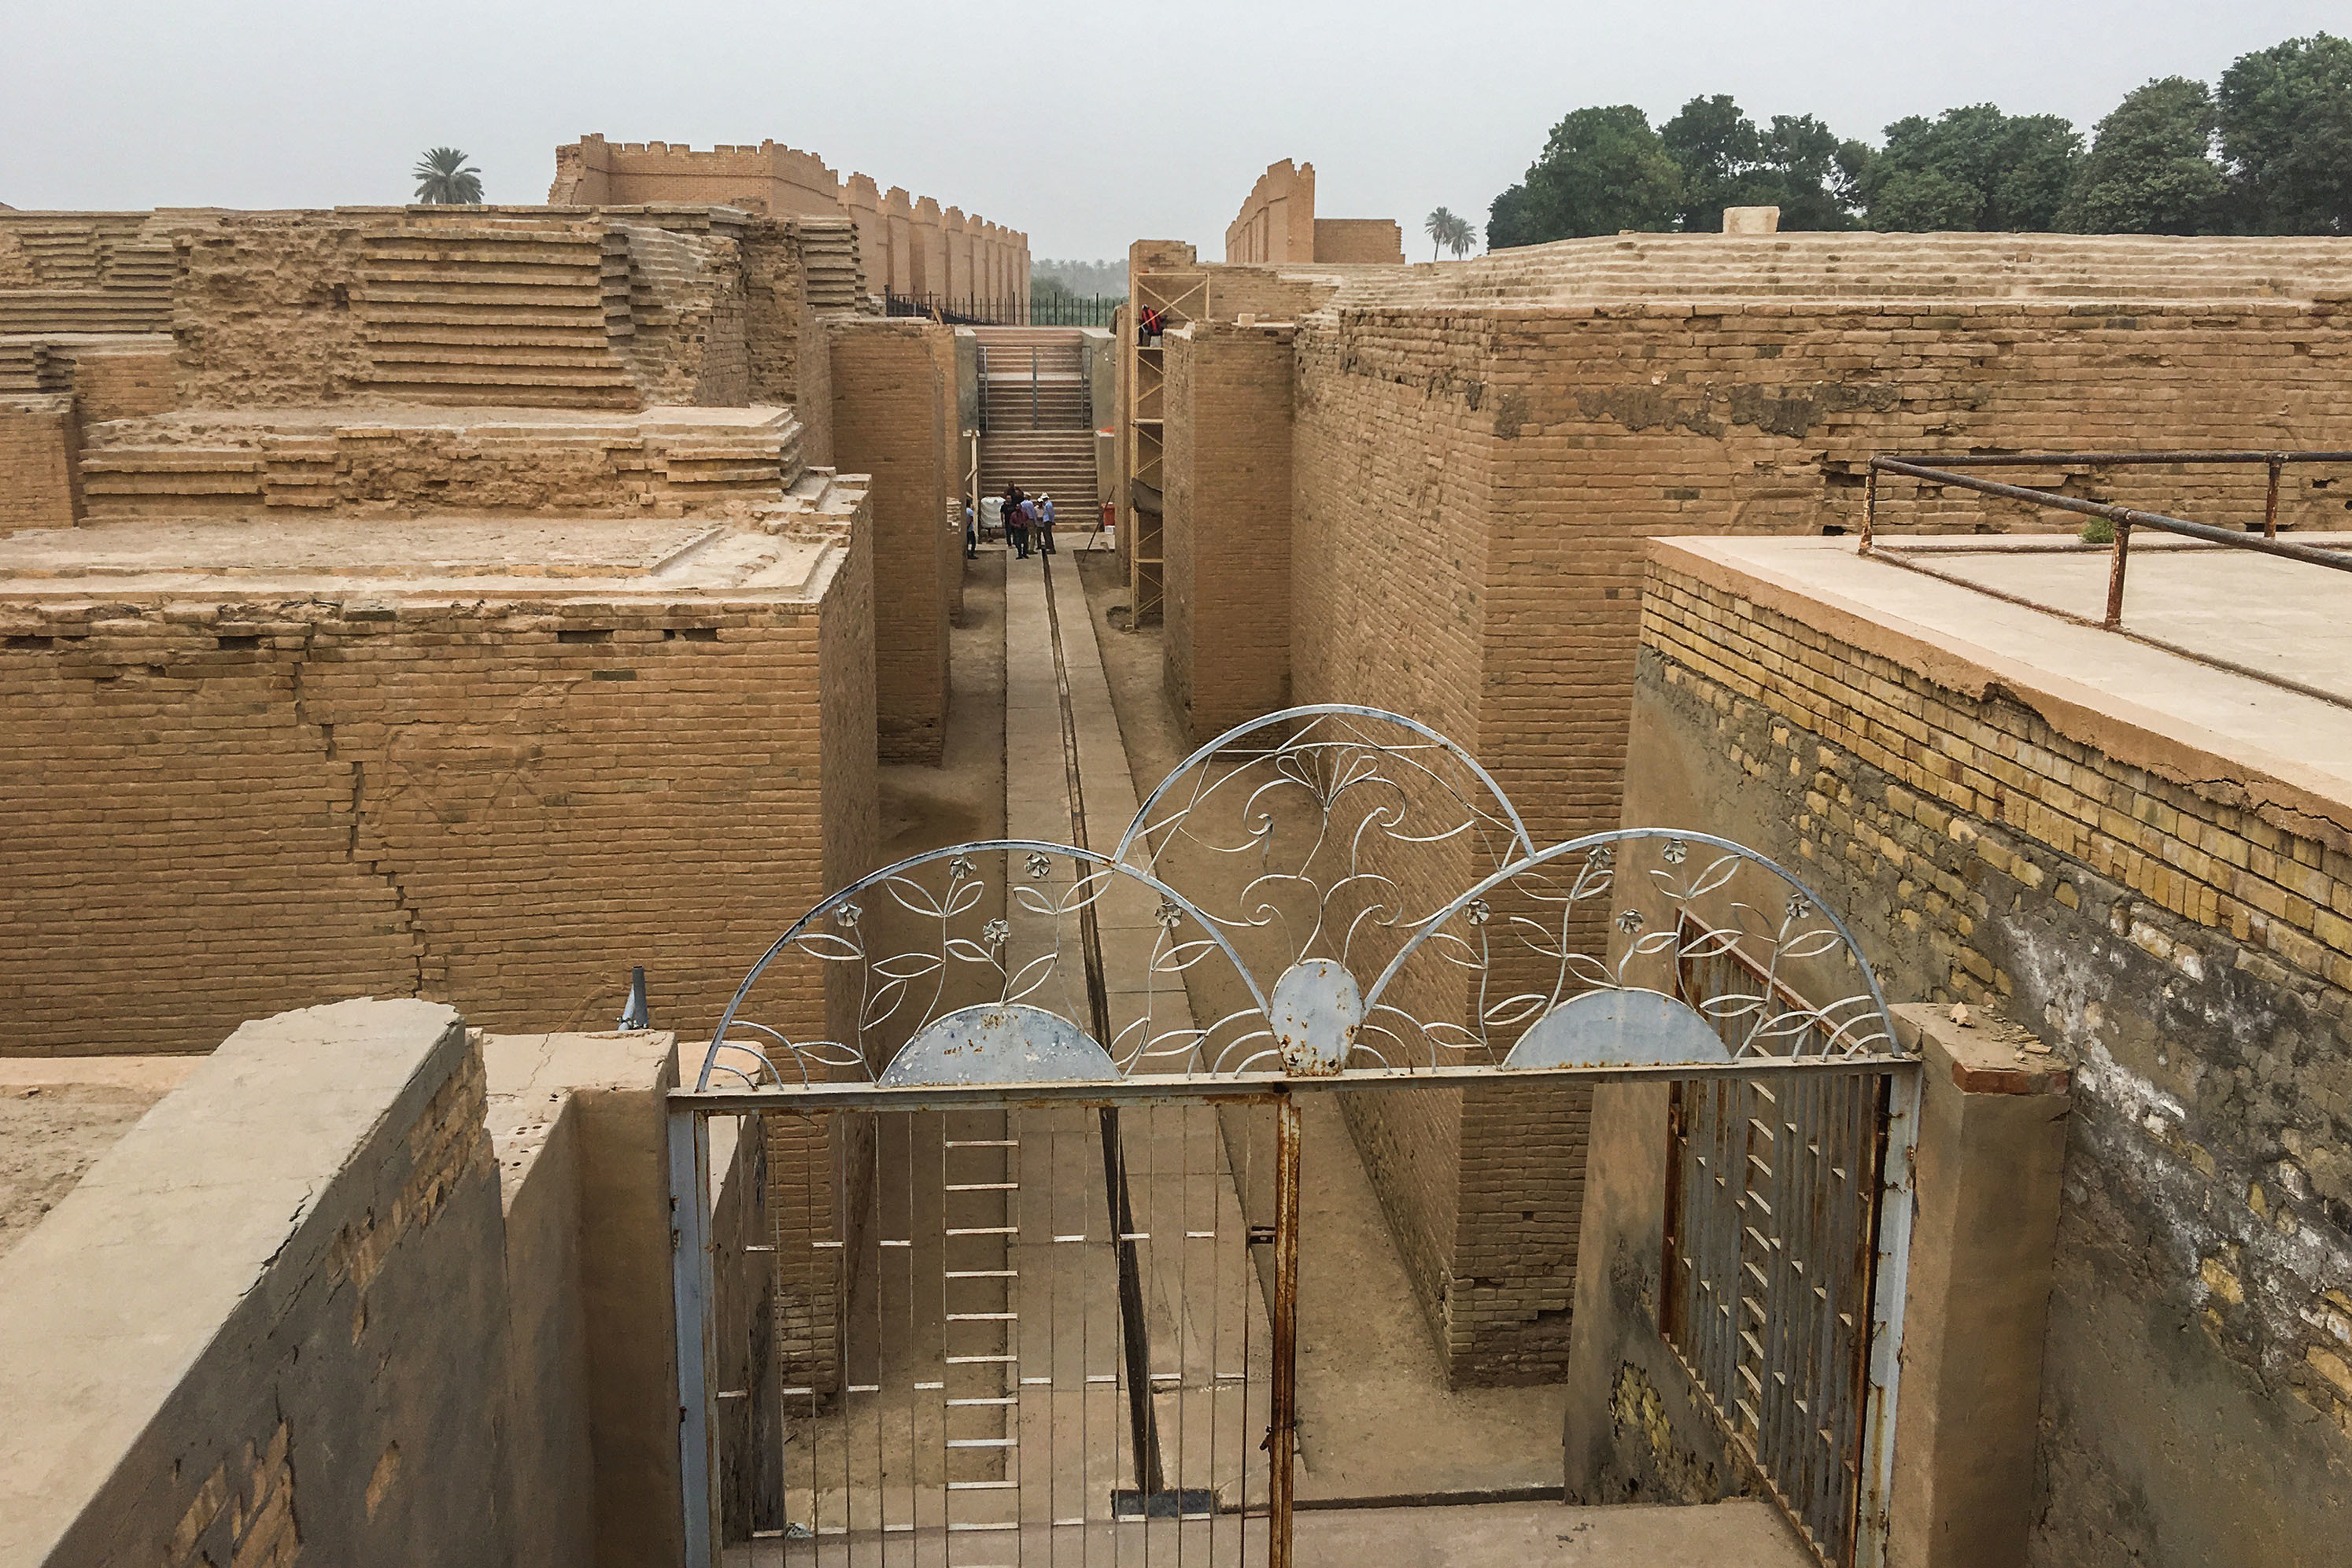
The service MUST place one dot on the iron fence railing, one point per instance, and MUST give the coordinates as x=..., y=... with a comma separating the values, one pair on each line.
x=1037, y=311
x=1944, y=470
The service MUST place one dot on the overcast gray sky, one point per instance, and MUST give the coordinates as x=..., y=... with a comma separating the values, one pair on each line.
x=1087, y=125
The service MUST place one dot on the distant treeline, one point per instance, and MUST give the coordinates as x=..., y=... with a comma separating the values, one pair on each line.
x=1080, y=278
x=2267, y=151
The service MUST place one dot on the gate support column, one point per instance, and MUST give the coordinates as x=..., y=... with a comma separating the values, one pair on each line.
x=1282, y=1433
x=689, y=1240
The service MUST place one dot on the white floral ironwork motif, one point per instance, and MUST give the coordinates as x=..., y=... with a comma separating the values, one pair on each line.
x=1318, y=813
x=1294, y=839
x=942, y=948
x=1734, y=936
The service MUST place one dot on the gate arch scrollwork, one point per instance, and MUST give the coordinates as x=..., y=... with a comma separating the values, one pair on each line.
x=999, y=923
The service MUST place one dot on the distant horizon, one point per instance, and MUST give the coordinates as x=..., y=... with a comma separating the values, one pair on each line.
x=1401, y=109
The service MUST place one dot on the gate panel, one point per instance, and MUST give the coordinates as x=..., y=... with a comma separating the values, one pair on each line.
x=965, y=1397
x=1772, y=1260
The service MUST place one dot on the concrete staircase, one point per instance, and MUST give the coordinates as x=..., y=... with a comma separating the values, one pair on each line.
x=1037, y=429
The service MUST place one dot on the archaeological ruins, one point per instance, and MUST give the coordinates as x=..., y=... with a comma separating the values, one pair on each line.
x=1685, y=896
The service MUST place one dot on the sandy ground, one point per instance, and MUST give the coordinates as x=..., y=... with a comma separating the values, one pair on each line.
x=58, y=1114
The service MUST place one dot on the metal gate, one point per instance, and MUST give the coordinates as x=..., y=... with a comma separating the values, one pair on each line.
x=1023, y=1122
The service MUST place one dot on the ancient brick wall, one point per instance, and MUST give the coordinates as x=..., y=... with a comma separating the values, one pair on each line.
x=1228, y=523
x=236, y=808
x=1358, y=240
x=1473, y=477
x=336, y=1395
x=893, y=417
x=769, y=179
x=1277, y=223
x=355, y=465
x=40, y=470
x=263, y=312
x=2182, y=935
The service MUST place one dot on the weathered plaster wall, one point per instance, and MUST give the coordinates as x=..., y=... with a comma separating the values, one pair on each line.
x=304, y=1351
x=2180, y=939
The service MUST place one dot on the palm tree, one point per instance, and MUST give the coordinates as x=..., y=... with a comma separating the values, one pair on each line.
x=442, y=179
x=1449, y=231
x=1439, y=226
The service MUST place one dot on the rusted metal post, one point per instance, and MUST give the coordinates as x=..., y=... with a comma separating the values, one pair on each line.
x=1282, y=1433
x=2115, y=576
x=2270, y=504
x=1870, y=509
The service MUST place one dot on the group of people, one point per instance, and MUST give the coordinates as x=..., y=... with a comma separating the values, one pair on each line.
x=1028, y=520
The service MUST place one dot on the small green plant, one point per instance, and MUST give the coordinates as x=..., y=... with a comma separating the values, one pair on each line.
x=2098, y=531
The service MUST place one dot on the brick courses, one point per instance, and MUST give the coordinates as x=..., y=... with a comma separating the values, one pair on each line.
x=2179, y=927
x=221, y=804
x=1228, y=524
x=1480, y=449
x=894, y=393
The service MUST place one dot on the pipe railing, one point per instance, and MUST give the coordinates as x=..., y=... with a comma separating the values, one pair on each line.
x=1942, y=470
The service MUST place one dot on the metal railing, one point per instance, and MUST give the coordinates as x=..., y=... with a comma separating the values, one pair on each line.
x=1944, y=470
x=984, y=311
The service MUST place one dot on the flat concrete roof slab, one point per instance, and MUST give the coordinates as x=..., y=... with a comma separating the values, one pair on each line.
x=2143, y=704
x=2279, y=618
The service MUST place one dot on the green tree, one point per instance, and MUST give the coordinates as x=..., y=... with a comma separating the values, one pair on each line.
x=1721, y=158
x=442, y=179
x=2150, y=169
x=1972, y=167
x=1816, y=174
x=1797, y=164
x=1603, y=170
x=2286, y=137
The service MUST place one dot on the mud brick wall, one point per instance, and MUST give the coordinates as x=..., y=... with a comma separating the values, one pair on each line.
x=41, y=468
x=893, y=418
x=2180, y=933
x=781, y=345
x=176, y=467
x=263, y=313
x=1228, y=525
x=1614, y=422
x=216, y=810
x=1358, y=240
x=1472, y=482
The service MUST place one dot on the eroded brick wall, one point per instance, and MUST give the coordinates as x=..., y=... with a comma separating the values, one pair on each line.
x=2187, y=948
x=40, y=471
x=893, y=418
x=235, y=809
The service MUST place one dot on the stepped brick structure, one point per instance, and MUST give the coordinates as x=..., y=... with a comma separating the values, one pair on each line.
x=474, y=585
x=1278, y=224
x=912, y=245
x=1475, y=453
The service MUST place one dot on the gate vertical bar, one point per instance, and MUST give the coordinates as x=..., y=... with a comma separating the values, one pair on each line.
x=1888, y=1288
x=1282, y=1429
x=690, y=1276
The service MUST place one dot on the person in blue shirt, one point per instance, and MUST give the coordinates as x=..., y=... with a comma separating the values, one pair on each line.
x=1044, y=523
